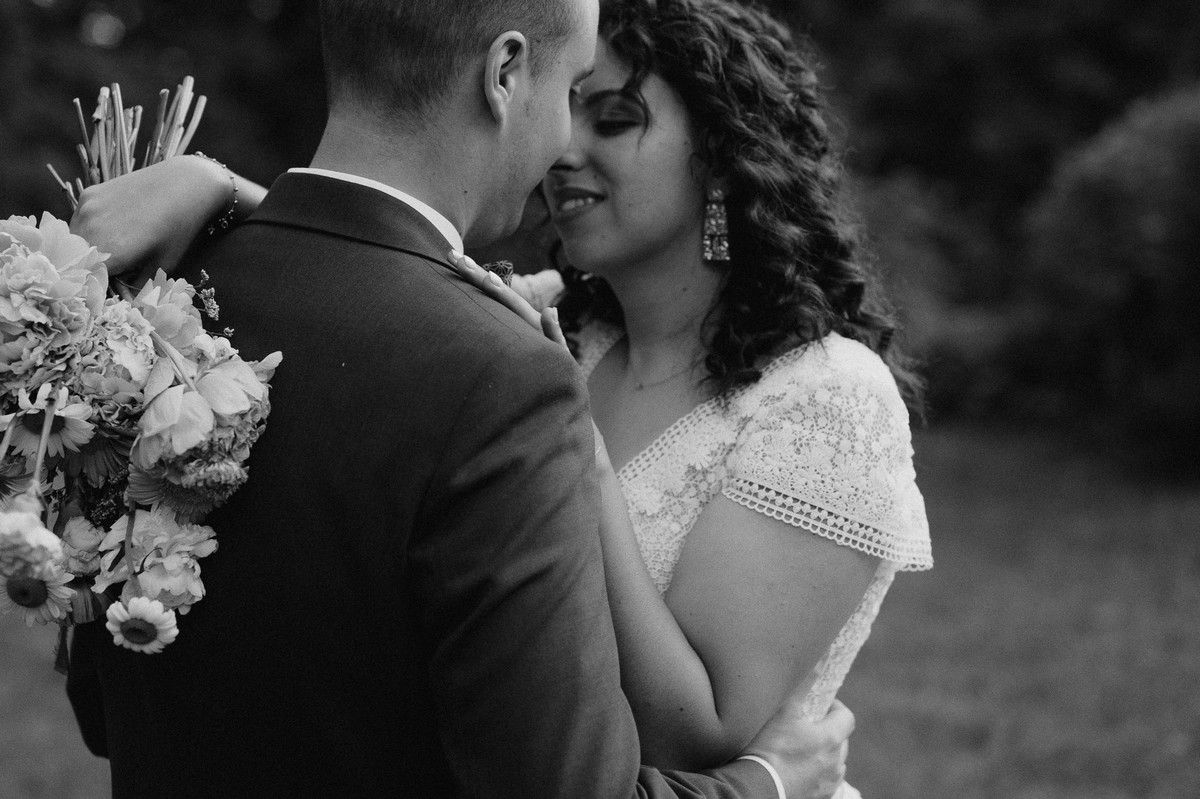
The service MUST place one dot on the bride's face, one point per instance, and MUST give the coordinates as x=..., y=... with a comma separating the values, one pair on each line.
x=629, y=188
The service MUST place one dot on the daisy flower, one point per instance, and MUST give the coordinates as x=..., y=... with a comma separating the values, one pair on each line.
x=69, y=430
x=42, y=596
x=142, y=625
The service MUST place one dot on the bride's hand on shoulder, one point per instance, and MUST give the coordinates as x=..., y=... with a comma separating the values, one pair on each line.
x=148, y=218
x=546, y=321
x=491, y=285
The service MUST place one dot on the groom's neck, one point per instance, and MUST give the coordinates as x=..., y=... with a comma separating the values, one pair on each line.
x=430, y=164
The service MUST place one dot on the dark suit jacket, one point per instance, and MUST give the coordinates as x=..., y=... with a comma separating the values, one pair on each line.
x=408, y=598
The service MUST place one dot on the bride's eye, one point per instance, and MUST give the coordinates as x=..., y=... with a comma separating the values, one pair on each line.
x=614, y=127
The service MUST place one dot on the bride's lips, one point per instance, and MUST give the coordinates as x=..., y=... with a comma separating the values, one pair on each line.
x=569, y=202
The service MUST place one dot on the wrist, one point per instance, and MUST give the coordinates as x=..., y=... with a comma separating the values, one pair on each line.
x=770, y=769
x=224, y=192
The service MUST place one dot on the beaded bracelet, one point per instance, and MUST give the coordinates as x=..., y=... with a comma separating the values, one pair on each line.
x=225, y=221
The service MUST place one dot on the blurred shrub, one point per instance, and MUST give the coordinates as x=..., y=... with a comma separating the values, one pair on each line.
x=1114, y=276
x=934, y=260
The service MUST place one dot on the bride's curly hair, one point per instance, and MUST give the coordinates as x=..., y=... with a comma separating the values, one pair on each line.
x=797, y=270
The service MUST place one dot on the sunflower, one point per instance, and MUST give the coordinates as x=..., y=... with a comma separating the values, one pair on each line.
x=42, y=596
x=142, y=625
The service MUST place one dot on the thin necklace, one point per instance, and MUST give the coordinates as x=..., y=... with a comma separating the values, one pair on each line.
x=643, y=386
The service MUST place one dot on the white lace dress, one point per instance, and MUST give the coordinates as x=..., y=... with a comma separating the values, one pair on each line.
x=821, y=442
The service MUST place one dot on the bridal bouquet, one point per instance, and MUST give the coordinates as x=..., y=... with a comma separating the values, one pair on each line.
x=123, y=424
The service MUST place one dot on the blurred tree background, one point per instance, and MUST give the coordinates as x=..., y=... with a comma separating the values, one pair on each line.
x=1028, y=170
x=1029, y=174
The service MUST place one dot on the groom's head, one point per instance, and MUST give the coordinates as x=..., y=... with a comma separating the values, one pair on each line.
x=498, y=73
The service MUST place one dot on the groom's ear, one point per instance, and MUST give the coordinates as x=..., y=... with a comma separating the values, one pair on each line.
x=506, y=72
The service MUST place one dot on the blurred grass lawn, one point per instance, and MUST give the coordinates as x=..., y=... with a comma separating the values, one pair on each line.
x=1054, y=651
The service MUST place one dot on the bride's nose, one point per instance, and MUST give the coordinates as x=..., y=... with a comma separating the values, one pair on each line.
x=572, y=158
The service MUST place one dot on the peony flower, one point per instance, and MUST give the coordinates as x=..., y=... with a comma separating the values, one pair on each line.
x=230, y=387
x=41, y=595
x=69, y=430
x=265, y=369
x=175, y=421
x=142, y=625
x=166, y=304
x=81, y=546
x=52, y=237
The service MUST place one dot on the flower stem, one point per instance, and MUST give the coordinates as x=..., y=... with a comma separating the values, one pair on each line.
x=8, y=434
x=44, y=442
x=130, y=512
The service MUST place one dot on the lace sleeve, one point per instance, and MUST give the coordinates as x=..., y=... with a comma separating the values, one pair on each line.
x=828, y=449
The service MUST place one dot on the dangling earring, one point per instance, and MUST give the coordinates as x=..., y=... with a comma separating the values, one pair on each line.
x=716, y=227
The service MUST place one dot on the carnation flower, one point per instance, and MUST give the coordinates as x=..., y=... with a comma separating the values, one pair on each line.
x=26, y=546
x=81, y=546
x=173, y=580
x=167, y=305
x=51, y=285
x=115, y=362
x=195, y=487
x=142, y=625
x=41, y=595
x=166, y=554
x=69, y=430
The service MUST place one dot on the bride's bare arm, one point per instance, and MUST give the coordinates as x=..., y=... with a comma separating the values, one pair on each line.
x=148, y=218
x=753, y=605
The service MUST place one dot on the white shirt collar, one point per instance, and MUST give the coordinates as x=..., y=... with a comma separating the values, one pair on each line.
x=444, y=226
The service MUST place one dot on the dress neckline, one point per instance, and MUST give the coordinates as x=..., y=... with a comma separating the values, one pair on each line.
x=608, y=336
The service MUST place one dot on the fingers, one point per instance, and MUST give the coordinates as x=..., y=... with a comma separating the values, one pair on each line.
x=494, y=287
x=552, y=329
x=839, y=721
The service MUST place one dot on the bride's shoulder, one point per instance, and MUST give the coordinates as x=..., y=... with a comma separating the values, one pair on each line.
x=834, y=361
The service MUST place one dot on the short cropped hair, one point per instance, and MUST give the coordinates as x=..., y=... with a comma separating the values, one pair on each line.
x=400, y=57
